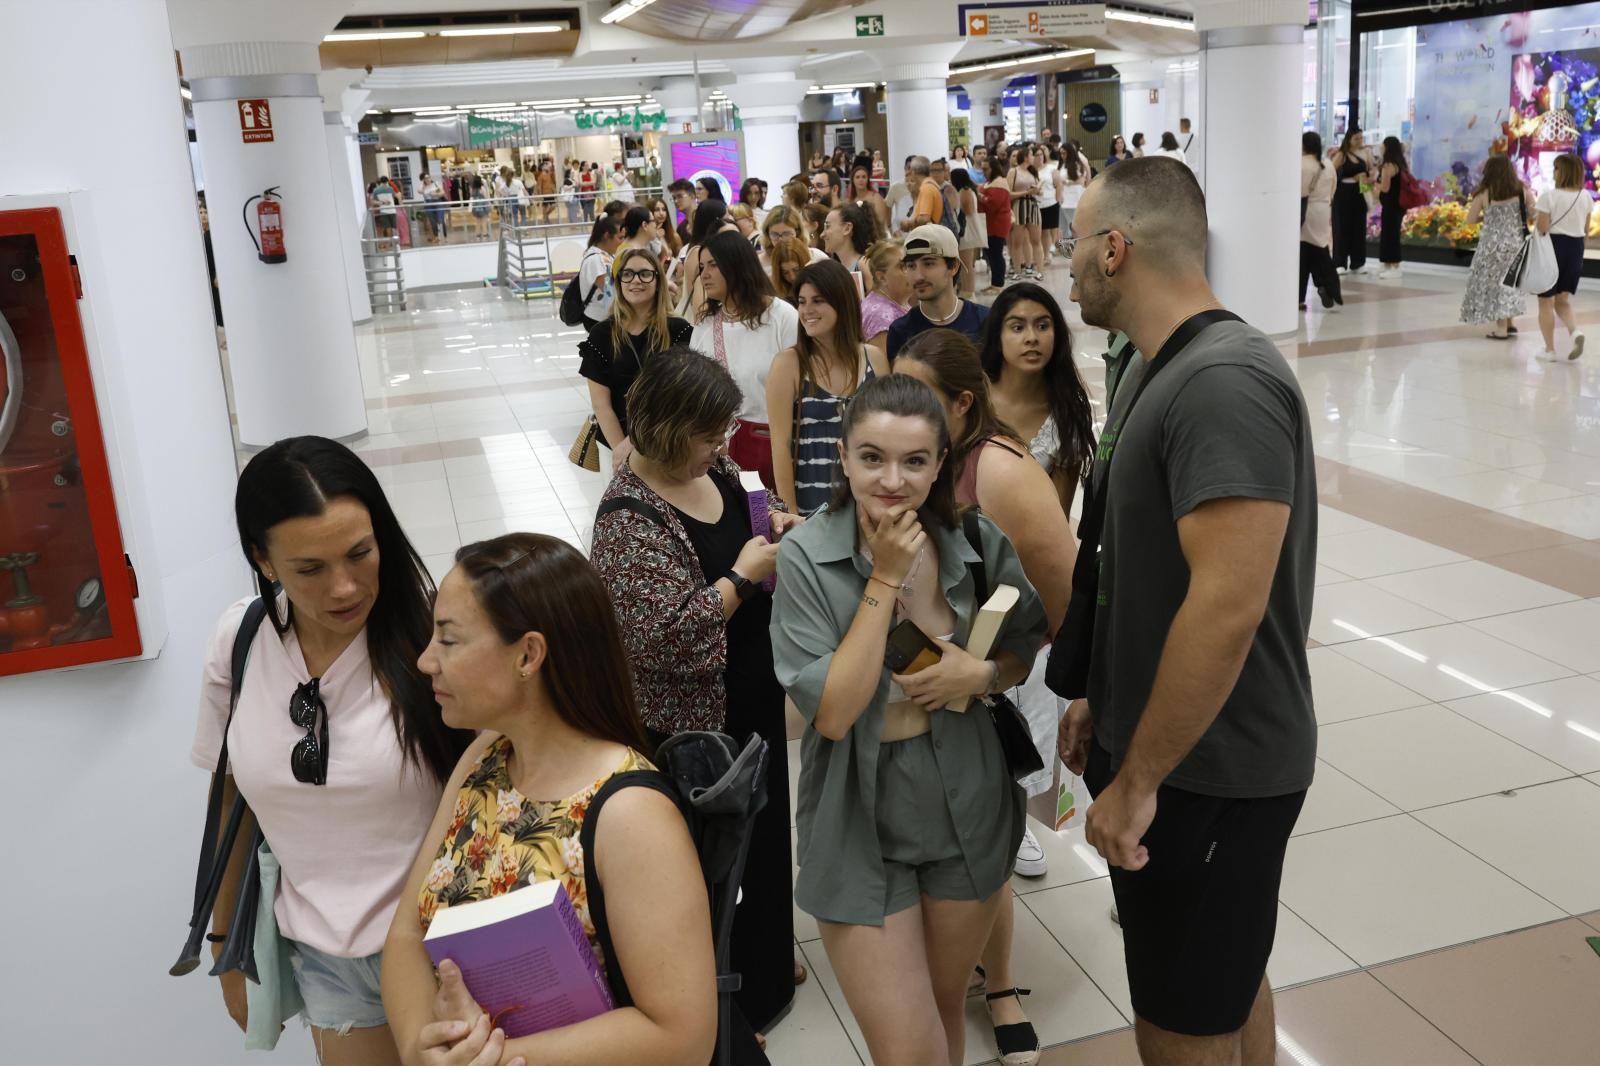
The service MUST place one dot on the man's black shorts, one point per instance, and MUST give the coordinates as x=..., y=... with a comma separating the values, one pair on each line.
x=1198, y=921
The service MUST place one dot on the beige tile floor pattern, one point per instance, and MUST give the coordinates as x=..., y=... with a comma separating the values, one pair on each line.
x=1447, y=865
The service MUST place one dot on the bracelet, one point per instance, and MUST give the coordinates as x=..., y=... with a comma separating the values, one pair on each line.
x=885, y=584
x=994, y=679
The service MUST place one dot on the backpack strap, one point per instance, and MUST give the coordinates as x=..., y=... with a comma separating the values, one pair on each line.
x=653, y=779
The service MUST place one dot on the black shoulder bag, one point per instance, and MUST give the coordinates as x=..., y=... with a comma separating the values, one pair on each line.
x=238, y=951
x=1068, y=672
x=1016, y=742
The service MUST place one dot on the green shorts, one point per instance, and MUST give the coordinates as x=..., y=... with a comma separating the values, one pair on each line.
x=922, y=854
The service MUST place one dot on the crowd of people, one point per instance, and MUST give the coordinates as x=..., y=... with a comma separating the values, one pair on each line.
x=919, y=448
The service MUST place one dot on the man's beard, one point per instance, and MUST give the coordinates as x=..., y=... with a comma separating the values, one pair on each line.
x=1097, y=300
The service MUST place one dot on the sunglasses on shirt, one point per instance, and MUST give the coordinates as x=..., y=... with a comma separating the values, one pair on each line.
x=308, y=760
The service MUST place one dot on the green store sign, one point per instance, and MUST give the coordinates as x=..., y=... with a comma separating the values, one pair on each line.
x=595, y=120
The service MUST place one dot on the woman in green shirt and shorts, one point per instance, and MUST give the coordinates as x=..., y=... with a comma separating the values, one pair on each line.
x=908, y=818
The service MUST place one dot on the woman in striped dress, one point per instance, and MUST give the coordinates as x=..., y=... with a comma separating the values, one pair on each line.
x=810, y=383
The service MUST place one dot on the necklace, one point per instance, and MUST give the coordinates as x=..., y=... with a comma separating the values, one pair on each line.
x=947, y=319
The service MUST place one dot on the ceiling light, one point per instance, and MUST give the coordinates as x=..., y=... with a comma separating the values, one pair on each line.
x=624, y=10
x=1149, y=20
x=183, y=91
x=421, y=110
x=374, y=35
x=486, y=107
x=374, y=111
x=551, y=103
x=849, y=86
x=1017, y=61
x=504, y=31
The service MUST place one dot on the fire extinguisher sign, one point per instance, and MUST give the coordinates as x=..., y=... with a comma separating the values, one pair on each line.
x=255, y=121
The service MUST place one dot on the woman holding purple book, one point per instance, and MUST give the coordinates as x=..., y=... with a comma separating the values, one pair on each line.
x=674, y=542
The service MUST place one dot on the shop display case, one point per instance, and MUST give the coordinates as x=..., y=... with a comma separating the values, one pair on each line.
x=67, y=587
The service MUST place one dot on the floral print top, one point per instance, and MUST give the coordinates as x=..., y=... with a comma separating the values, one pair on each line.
x=500, y=841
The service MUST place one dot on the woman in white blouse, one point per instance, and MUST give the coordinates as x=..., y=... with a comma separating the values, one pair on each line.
x=1563, y=212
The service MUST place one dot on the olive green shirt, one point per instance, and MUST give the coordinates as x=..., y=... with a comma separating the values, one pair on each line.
x=821, y=577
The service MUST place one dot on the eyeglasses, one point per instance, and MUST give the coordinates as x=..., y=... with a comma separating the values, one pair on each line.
x=308, y=761
x=1070, y=244
x=646, y=276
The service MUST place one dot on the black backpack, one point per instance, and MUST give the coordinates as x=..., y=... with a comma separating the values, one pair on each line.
x=573, y=300
x=720, y=790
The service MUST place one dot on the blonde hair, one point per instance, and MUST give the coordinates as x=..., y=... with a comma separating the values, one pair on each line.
x=782, y=215
x=1569, y=172
x=882, y=257
x=658, y=334
x=740, y=211
x=796, y=194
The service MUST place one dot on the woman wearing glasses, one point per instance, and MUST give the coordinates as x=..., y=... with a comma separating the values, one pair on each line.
x=617, y=348
x=674, y=544
x=336, y=741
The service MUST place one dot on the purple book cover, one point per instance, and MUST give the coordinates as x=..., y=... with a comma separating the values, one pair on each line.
x=755, y=498
x=524, y=957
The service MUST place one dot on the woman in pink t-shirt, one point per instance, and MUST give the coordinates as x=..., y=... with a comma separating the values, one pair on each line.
x=344, y=797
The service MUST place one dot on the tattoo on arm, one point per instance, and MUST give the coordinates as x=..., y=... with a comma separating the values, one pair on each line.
x=870, y=601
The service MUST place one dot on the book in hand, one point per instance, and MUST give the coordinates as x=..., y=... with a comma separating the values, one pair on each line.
x=755, y=498
x=524, y=957
x=986, y=629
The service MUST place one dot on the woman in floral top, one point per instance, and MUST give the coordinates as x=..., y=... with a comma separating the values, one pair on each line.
x=673, y=542
x=526, y=649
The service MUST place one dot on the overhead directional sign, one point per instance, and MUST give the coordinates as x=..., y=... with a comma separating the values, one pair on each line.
x=1021, y=19
x=869, y=25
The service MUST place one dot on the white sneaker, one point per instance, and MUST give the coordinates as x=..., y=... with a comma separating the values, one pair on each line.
x=1549, y=357
x=1116, y=919
x=1030, y=857
x=1577, y=346
x=1388, y=275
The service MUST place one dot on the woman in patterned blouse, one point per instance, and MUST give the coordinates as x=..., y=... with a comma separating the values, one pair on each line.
x=526, y=649
x=673, y=542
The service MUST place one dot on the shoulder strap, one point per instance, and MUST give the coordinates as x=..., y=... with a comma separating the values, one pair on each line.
x=630, y=503
x=591, y=878
x=974, y=532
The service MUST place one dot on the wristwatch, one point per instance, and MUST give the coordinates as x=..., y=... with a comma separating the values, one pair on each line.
x=743, y=587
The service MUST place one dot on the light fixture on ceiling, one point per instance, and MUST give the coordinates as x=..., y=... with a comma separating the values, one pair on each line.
x=505, y=31
x=552, y=103
x=374, y=35
x=1042, y=56
x=421, y=110
x=490, y=107
x=624, y=10
x=1172, y=22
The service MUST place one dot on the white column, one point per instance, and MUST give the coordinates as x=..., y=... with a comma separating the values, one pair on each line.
x=985, y=108
x=127, y=726
x=1251, y=65
x=768, y=97
x=292, y=350
x=918, y=93
x=355, y=270
x=680, y=99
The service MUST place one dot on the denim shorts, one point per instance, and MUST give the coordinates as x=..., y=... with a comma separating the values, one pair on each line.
x=339, y=994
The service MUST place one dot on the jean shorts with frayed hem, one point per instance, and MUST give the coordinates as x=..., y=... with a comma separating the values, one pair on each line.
x=339, y=994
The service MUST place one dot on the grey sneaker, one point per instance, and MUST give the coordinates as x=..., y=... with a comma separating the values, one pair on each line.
x=1577, y=346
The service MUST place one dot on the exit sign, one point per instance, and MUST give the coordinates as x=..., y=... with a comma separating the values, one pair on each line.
x=869, y=25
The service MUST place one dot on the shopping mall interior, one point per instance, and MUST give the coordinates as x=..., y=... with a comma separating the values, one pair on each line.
x=356, y=220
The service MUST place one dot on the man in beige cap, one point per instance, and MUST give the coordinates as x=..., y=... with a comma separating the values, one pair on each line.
x=933, y=261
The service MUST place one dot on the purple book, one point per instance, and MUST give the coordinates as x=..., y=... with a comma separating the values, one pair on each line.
x=755, y=498
x=524, y=957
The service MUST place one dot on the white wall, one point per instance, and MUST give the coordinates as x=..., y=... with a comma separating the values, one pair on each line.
x=1139, y=115
x=97, y=890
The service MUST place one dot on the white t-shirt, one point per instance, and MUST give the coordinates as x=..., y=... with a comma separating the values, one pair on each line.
x=346, y=847
x=594, y=284
x=1047, y=185
x=1175, y=153
x=1569, y=211
x=750, y=351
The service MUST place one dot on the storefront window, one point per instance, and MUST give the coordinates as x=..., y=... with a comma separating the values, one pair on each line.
x=1523, y=84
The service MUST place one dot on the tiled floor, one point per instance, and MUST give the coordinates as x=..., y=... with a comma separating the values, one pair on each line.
x=1448, y=857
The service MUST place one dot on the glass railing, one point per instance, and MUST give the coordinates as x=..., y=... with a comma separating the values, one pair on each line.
x=428, y=223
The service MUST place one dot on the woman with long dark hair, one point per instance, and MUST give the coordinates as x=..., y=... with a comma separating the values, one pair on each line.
x=684, y=561
x=753, y=194
x=526, y=650
x=1023, y=180
x=709, y=219
x=1316, y=223
x=744, y=326
x=336, y=741
x=1119, y=151
x=1392, y=172
x=995, y=474
x=908, y=819
x=862, y=193
x=974, y=237
x=1506, y=207
x=709, y=191
x=1351, y=167
x=812, y=382
x=847, y=232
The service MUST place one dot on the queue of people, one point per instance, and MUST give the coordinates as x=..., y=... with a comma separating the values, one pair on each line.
x=920, y=451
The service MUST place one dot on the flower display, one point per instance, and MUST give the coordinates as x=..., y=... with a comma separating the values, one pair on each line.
x=1443, y=222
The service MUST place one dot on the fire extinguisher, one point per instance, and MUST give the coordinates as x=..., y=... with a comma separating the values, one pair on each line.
x=269, y=220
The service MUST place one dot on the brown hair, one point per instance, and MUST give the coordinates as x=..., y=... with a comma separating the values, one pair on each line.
x=1500, y=181
x=838, y=289
x=782, y=215
x=1569, y=172
x=958, y=368
x=658, y=335
x=791, y=250
x=904, y=397
x=532, y=583
x=816, y=218
x=679, y=394
x=669, y=232
x=796, y=195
